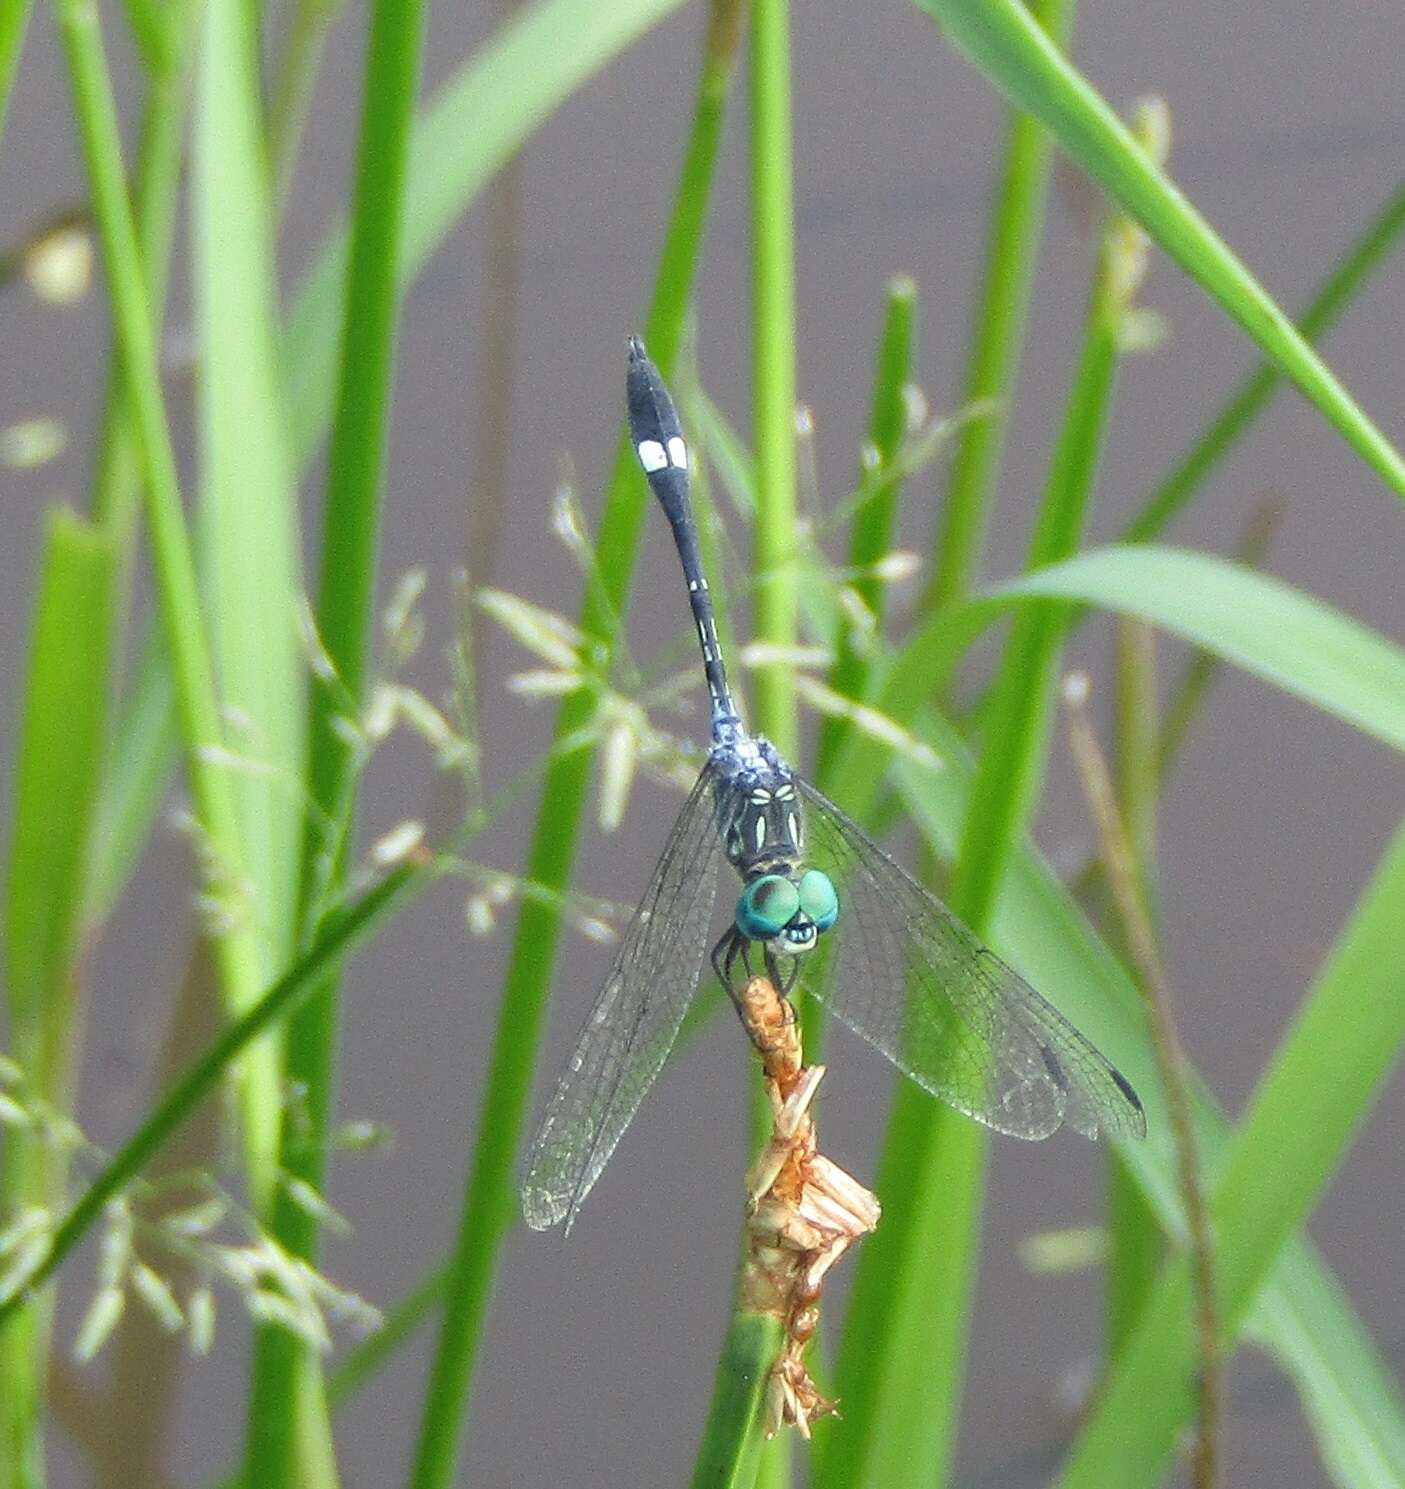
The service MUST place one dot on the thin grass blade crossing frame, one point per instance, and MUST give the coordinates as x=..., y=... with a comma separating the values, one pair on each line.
x=907, y=975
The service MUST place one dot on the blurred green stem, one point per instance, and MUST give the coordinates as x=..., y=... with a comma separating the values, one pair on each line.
x=58, y=763
x=237, y=952
x=730, y=1452
x=117, y=475
x=14, y=22
x=294, y=88
x=916, y=1275
x=287, y=1412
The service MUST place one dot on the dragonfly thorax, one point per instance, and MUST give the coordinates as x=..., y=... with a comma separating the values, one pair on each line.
x=760, y=817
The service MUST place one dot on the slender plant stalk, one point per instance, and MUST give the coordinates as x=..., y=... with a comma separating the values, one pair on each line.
x=344, y=934
x=489, y=1203
x=773, y=362
x=1134, y=1231
x=913, y=1289
x=1138, y=736
x=117, y=475
x=993, y=360
x=1119, y=857
x=287, y=1371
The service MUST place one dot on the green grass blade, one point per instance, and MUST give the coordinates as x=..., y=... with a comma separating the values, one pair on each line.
x=1314, y=1094
x=1288, y=638
x=249, y=520
x=912, y=1294
x=473, y=124
x=351, y=524
x=1011, y=771
x=145, y=744
x=59, y=760
x=1002, y=40
x=249, y=506
x=489, y=1204
x=58, y=765
x=993, y=358
x=1364, y=256
x=1135, y=1252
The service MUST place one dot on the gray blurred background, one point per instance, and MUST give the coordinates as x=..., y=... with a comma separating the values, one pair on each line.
x=1289, y=131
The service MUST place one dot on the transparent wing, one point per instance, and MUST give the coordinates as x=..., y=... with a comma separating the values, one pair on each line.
x=633, y=1024
x=914, y=982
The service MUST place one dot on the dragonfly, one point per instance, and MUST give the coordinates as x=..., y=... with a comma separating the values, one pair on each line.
x=899, y=968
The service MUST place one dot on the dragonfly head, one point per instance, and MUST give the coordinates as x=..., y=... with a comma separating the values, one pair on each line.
x=787, y=911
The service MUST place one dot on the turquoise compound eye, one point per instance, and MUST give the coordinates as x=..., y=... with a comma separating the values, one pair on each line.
x=767, y=905
x=818, y=899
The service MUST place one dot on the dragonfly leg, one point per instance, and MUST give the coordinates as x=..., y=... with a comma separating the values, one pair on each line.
x=731, y=949
x=725, y=954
